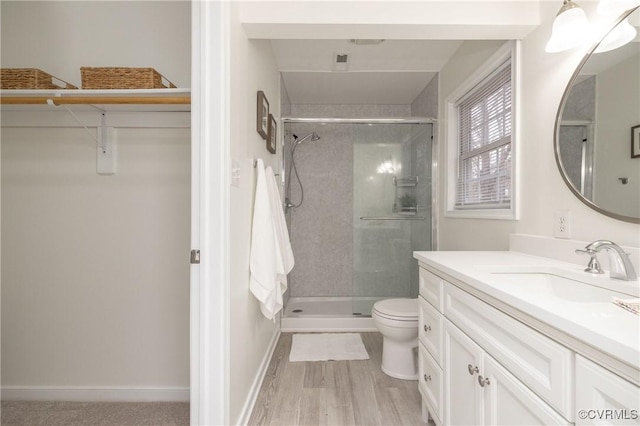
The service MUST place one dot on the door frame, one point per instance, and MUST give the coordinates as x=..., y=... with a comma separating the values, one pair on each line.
x=209, y=280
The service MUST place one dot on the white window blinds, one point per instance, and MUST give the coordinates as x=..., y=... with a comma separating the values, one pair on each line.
x=484, y=141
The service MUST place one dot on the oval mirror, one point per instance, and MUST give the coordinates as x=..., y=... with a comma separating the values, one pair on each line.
x=597, y=133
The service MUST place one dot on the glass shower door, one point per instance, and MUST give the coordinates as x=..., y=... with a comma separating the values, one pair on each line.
x=391, y=210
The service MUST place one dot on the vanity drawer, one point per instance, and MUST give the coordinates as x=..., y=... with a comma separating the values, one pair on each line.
x=542, y=364
x=431, y=288
x=430, y=383
x=430, y=329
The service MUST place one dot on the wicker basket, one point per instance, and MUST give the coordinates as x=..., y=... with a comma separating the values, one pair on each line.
x=30, y=78
x=123, y=78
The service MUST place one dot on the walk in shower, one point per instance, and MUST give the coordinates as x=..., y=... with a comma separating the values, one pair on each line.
x=358, y=203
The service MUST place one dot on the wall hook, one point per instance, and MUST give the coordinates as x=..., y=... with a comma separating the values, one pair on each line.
x=624, y=180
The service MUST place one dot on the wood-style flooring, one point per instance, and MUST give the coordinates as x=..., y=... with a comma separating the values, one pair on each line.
x=335, y=392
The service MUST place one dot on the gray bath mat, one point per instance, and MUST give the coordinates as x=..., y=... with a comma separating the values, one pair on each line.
x=327, y=347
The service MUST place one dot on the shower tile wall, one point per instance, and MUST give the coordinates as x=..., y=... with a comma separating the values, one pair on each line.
x=322, y=228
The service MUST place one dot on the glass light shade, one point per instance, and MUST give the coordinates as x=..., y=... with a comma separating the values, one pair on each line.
x=616, y=7
x=570, y=28
x=622, y=34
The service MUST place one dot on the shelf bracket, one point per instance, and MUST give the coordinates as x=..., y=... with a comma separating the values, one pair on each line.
x=105, y=142
x=106, y=148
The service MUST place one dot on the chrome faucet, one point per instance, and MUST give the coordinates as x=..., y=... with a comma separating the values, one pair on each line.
x=620, y=266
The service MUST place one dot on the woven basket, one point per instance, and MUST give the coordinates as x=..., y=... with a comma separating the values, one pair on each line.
x=30, y=78
x=123, y=78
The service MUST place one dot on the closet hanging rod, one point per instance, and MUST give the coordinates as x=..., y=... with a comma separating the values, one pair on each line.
x=104, y=100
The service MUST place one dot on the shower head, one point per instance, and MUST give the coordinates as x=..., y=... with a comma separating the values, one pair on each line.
x=314, y=137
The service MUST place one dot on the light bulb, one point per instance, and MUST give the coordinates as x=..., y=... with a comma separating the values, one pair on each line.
x=570, y=28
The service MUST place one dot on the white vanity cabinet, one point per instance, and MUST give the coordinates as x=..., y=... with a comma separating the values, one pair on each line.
x=479, y=390
x=462, y=366
x=491, y=354
x=603, y=397
x=464, y=346
x=430, y=331
x=507, y=401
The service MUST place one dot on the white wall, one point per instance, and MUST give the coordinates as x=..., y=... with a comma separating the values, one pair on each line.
x=95, y=273
x=542, y=190
x=544, y=78
x=59, y=37
x=253, y=68
x=456, y=233
x=95, y=279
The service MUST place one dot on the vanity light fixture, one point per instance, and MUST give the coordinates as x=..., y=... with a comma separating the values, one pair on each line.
x=570, y=28
x=622, y=34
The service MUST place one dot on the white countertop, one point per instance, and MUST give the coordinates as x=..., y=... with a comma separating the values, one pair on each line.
x=604, y=326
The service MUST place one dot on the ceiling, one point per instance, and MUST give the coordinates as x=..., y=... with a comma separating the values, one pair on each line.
x=393, y=72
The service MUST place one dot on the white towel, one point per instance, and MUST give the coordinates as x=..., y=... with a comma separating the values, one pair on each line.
x=280, y=223
x=271, y=257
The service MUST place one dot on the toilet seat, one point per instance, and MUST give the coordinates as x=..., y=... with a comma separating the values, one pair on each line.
x=397, y=309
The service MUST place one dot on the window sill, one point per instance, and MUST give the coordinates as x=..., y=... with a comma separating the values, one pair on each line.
x=494, y=214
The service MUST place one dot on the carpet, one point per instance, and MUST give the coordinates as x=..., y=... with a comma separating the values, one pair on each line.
x=327, y=347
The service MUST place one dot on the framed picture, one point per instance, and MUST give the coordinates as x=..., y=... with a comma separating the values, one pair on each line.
x=262, y=123
x=635, y=141
x=272, y=135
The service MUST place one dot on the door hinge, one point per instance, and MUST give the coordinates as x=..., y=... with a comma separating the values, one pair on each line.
x=195, y=257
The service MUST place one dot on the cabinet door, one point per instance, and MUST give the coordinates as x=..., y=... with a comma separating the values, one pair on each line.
x=539, y=362
x=463, y=361
x=509, y=402
x=604, y=398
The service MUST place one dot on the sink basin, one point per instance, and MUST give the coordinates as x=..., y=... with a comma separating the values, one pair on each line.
x=553, y=284
x=559, y=287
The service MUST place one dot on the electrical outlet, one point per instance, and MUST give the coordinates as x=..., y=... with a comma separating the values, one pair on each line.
x=562, y=226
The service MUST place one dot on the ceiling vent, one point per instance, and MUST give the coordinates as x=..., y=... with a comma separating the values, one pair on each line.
x=340, y=61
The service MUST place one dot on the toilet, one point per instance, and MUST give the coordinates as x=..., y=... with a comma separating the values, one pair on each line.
x=397, y=321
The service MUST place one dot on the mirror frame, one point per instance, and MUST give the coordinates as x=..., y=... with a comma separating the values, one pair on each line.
x=556, y=130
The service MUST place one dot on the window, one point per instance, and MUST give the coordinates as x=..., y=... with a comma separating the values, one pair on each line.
x=481, y=141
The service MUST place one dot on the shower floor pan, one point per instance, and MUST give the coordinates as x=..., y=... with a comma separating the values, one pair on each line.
x=329, y=314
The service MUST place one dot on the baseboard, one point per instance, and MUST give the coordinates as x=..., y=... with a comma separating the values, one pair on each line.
x=250, y=402
x=103, y=394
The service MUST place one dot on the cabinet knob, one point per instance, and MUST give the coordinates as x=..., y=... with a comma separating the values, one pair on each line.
x=427, y=328
x=427, y=378
x=483, y=381
x=473, y=370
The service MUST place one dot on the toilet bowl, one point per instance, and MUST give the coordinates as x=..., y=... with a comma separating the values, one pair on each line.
x=397, y=321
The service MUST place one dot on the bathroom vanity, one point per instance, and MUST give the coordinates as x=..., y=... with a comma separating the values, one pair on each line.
x=509, y=338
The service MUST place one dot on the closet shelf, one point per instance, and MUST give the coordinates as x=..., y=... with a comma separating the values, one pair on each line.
x=145, y=99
